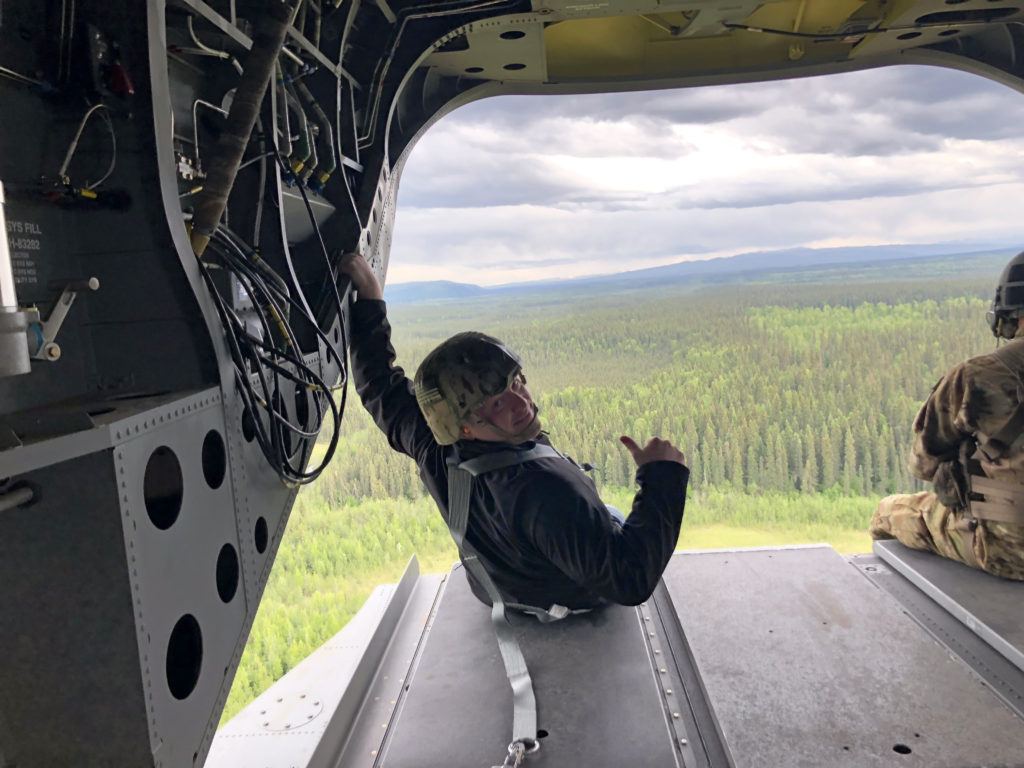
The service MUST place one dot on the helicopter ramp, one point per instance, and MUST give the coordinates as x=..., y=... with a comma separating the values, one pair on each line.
x=766, y=657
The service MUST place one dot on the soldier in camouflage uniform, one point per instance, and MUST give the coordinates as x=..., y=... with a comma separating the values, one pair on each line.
x=969, y=443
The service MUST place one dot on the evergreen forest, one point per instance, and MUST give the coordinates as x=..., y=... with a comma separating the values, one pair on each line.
x=792, y=394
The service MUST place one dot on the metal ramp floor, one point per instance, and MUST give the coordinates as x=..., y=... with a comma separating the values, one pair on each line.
x=754, y=658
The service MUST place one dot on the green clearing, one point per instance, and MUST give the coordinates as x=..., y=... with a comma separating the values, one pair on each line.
x=791, y=394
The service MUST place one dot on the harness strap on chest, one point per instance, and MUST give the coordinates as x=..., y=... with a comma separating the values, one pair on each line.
x=460, y=493
x=987, y=498
x=1004, y=500
x=502, y=459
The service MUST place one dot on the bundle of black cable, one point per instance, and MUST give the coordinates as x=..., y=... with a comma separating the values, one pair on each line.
x=266, y=354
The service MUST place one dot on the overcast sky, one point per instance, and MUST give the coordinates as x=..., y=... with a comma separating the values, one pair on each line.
x=523, y=188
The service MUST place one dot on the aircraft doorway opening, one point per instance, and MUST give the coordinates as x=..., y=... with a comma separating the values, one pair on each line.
x=771, y=275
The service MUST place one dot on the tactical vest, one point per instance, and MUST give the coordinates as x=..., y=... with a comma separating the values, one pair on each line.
x=989, y=498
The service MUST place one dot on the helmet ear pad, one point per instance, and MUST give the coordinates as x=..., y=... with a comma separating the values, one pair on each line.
x=1008, y=327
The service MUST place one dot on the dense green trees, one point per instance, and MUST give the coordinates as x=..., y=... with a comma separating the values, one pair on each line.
x=792, y=398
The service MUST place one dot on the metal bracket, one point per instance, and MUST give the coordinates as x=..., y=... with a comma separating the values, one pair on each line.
x=45, y=332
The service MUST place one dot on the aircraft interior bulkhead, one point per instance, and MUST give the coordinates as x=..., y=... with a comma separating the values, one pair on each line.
x=171, y=169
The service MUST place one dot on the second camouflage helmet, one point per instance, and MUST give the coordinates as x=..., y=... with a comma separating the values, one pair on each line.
x=458, y=376
x=1009, y=299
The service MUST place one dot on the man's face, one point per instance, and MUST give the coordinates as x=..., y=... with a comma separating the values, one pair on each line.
x=505, y=415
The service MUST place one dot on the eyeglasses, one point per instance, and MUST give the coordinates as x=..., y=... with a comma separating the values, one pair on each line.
x=497, y=403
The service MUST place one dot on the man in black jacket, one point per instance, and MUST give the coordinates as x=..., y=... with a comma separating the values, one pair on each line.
x=547, y=538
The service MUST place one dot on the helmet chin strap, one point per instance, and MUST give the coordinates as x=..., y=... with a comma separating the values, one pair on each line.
x=528, y=432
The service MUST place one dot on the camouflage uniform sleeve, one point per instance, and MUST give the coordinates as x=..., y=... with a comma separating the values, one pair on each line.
x=940, y=427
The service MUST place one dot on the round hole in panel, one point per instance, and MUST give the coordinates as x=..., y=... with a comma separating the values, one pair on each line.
x=902, y=749
x=337, y=334
x=248, y=426
x=184, y=657
x=227, y=573
x=908, y=35
x=515, y=34
x=215, y=460
x=302, y=405
x=949, y=32
x=474, y=70
x=514, y=67
x=162, y=487
x=261, y=535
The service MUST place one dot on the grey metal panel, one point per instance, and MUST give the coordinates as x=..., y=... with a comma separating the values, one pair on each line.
x=362, y=744
x=807, y=664
x=296, y=218
x=259, y=495
x=354, y=694
x=283, y=725
x=70, y=664
x=173, y=573
x=114, y=421
x=304, y=718
x=1005, y=680
x=694, y=722
x=596, y=692
x=990, y=606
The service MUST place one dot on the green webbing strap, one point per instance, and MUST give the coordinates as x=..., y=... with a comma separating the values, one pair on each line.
x=999, y=512
x=1003, y=500
x=524, y=704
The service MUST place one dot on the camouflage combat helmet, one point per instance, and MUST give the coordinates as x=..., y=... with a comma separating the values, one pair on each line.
x=458, y=376
x=1008, y=303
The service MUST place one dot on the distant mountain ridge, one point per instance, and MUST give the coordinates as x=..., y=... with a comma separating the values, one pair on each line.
x=754, y=261
x=433, y=290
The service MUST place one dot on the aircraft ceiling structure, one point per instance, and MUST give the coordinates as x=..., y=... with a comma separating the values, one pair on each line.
x=150, y=449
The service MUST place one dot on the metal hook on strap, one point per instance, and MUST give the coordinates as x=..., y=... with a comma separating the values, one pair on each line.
x=518, y=751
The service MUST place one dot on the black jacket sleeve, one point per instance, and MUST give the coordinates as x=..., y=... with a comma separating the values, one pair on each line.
x=621, y=565
x=382, y=386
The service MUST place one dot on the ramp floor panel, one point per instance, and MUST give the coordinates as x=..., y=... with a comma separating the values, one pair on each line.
x=597, y=692
x=991, y=607
x=1002, y=677
x=806, y=663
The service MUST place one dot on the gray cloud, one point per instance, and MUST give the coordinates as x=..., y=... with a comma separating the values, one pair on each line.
x=516, y=187
x=924, y=100
x=915, y=100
